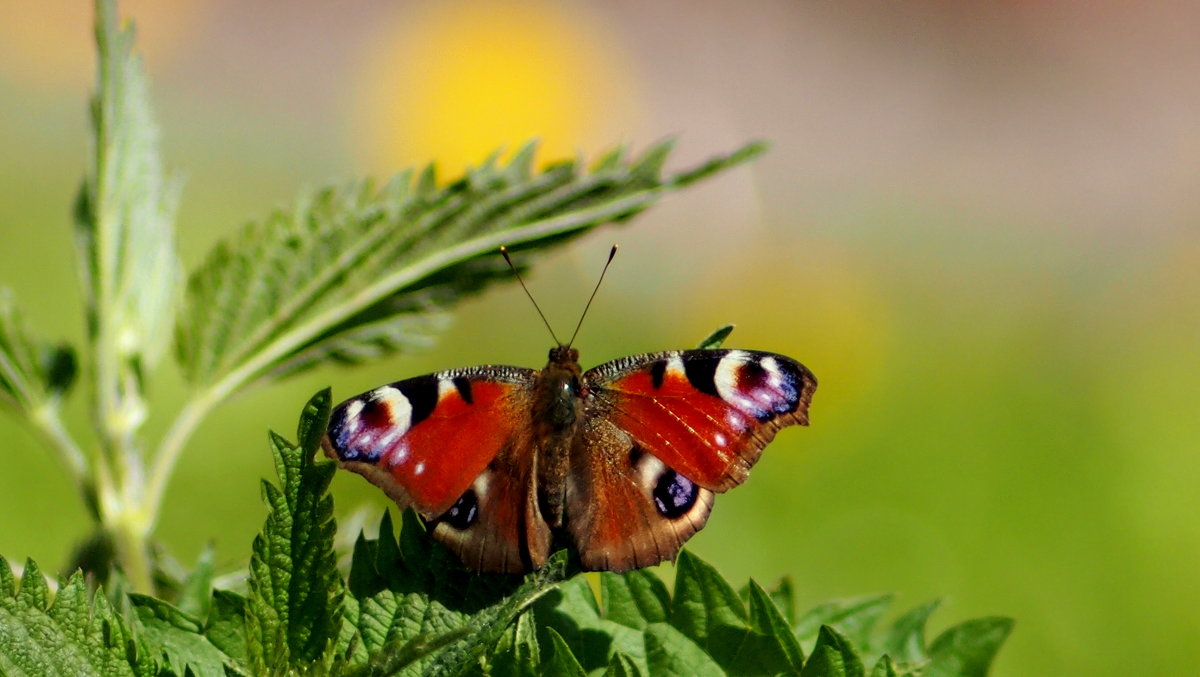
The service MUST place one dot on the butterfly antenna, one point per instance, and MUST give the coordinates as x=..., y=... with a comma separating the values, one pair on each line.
x=504, y=253
x=611, y=254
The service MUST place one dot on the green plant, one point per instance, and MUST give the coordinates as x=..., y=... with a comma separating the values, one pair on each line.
x=349, y=274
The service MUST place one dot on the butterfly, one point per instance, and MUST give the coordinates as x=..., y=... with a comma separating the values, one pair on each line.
x=621, y=461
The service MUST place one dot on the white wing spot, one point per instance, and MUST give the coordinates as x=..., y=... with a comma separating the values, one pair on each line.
x=353, y=422
x=398, y=407
x=446, y=388
x=726, y=381
x=649, y=469
x=675, y=366
x=482, y=484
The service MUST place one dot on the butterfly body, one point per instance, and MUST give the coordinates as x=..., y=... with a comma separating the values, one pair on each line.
x=621, y=461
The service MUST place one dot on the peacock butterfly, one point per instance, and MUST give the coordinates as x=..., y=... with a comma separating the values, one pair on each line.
x=620, y=461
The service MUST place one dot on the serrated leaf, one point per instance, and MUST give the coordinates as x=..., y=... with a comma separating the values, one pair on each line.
x=417, y=610
x=967, y=649
x=177, y=637
x=784, y=598
x=571, y=611
x=670, y=652
x=634, y=599
x=885, y=667
x=33, y=373
x=517, y=654
x=293, y=610
x=226, y=624
x=196, y=591
x=715, y=339
x=772, y=643
x=905, y=640
x=832, y=656
x=355, y=272
x=622, y=665
x=77, y=634
x=706, y=609
x=855, y=618
x=561, y=661
x=125, y=213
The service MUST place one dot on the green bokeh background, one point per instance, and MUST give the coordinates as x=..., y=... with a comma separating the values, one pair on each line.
x=977, y=226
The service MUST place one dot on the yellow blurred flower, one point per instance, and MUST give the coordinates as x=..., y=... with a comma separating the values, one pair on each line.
x=454, y=81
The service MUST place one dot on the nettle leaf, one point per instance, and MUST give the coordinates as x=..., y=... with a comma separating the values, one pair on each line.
x=968, y=648
x=226, y=624
x=561, y=660
x=671, y=652
x=854, y=618
x=833, y=656
x=717, y=338
x=517, y=653
x=125, y=212
x=177, y=638
x=622, y=666
x=33, y=373
x=294, y=606
x=905, y=640
x=358, y=271
x=414, y=609
x=77, y=633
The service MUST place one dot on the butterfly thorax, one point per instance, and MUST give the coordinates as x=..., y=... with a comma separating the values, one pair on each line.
x=557, y=416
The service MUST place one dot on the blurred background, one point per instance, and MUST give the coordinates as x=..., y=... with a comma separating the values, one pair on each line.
x=978, y=224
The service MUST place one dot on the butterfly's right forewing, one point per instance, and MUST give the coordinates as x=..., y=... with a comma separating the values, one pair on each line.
x=425, y=440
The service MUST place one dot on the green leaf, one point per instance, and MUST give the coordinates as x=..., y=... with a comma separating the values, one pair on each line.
x=196, y=591
x=294, y=606
x=968, y=648
x=772, y=643
x=706, y=609
x=226, y=624
x=832, y=656
x=622, y=665
x=885, y=667
x=671, y=652
x=177, y=637
x=715, y=339
x=517, y=652
x=784, y=598
x=635, y=599
x=357, y=272
x=76, y=634
x=33, y=374
x=855, y=618
x=906, y=638
x=571, y=611
x=416, y=610
x=124, y=216
x=561, y=660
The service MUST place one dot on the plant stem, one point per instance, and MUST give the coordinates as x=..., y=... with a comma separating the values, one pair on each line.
x=173, y=442
x=45, y=418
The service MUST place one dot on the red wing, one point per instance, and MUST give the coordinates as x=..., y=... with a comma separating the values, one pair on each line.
x=425, y=440
x=626, y=509
x=706, y=414
x=496, y=524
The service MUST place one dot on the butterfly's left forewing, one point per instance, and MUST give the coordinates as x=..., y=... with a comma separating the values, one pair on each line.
x=453, y=445
x=664, y=432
